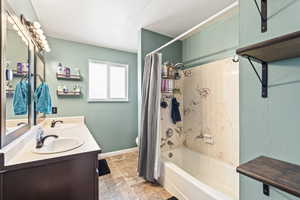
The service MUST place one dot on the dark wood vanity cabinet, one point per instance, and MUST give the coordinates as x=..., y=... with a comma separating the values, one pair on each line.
x=66, y=178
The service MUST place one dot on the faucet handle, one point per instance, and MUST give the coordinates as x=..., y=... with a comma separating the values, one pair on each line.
x=39, y=133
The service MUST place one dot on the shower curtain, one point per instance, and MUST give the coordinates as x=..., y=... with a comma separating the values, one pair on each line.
x=149, y=149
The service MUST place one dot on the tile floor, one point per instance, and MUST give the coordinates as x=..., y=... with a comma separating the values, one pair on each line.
x=124, y=184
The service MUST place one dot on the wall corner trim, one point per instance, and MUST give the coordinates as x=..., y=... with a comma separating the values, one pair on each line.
x=116, y=153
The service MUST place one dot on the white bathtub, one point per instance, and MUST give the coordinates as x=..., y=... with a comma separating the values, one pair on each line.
x=189, y=175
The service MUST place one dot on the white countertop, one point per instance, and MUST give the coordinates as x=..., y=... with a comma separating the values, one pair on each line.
x=25, y=154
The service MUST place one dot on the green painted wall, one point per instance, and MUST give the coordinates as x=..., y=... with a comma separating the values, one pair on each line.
x=215, y=41
x=148, y=42
x=269, y=126
x=114, y=125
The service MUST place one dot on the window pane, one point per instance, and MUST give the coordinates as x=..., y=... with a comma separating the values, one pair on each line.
x=97, y=81
x=118, y=82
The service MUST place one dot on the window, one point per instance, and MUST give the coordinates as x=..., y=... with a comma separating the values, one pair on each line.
x=108, y=81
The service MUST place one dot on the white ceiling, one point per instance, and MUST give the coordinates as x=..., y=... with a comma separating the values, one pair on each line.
x=115, y=23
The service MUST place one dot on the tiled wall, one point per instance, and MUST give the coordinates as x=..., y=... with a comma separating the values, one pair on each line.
x=211, y=110
x=176, y=137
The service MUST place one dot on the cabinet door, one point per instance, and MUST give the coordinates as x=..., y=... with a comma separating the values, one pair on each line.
x=66, y=180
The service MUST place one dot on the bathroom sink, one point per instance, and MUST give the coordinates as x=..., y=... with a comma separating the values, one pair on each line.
x=62, y=144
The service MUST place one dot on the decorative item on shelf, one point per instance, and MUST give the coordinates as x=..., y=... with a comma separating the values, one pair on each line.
x=9, y=74
x=164, y=70
x=9, y=90
x=171, y=72
x=60, y=69
x=167, y=86
x=176, y=91
x=168, y=71
x=37, y=34
x=21, y=69
x=65, y=91
x=66, y=73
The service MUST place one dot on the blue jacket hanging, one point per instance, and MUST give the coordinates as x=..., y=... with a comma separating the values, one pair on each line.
x=20, y=99
x=175, y=113
x=42, y=99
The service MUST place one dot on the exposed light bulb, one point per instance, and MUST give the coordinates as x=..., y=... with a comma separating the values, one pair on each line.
x=15, y=27
x=43, y=37
x=47, y=49
x=40, y=31
x=36, y=25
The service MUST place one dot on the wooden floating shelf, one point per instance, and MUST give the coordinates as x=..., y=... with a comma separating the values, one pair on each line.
x=65, y=77
x=60, y=93
x=276, y=49
x=19, y=74
x=271, y=172
x=167, y=78
x=279, y=48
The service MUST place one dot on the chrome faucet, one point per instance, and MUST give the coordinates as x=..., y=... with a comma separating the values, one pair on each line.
x=40, y=138
x=53, y=123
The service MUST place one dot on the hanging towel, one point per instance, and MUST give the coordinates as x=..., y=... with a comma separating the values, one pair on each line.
x=175, y=113
x=20, y=99
x=42, y=99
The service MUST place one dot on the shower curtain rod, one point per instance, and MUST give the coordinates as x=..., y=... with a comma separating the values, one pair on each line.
x=235, y=4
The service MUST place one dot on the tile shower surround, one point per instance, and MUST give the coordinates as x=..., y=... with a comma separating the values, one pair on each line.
x=208, y=98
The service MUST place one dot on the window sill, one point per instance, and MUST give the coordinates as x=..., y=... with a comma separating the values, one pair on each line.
x=109, y=100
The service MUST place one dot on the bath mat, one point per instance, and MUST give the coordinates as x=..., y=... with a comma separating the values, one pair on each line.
x=103, y=168
x=172, y=198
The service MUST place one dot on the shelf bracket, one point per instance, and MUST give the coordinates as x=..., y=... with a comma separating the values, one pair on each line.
x=263, y=14
x=266, y=189
x=264, y=77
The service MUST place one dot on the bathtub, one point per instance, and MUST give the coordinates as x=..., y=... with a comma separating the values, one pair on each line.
x=189, y=175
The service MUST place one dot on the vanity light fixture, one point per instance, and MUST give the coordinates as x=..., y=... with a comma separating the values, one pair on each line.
x=37, y=34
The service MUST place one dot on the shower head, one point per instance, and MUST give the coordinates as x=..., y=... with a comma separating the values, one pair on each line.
x=179, y=66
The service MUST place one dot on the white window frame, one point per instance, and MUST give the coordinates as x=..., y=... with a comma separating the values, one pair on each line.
x=126, y=99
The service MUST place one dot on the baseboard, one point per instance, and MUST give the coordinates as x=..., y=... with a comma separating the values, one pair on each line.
x=115, y=153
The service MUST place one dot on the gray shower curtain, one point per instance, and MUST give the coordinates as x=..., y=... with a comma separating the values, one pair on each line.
x=148, y=166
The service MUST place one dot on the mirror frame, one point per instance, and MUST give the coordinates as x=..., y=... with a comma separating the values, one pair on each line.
x=42, y=58
x=7, y=10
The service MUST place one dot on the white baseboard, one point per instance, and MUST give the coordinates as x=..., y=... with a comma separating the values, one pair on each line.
x=115, y=153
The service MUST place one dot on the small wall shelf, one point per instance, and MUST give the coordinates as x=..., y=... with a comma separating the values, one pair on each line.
x=276, y=49
x=19, y=74
x=61, y=93
x=271, y=172
x=65, y=77
x=168, y=78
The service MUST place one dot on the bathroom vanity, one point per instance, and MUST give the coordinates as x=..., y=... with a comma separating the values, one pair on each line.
x=69, y=175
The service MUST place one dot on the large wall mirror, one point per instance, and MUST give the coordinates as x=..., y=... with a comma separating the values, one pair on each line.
x=40, y=75
x=16, y=58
